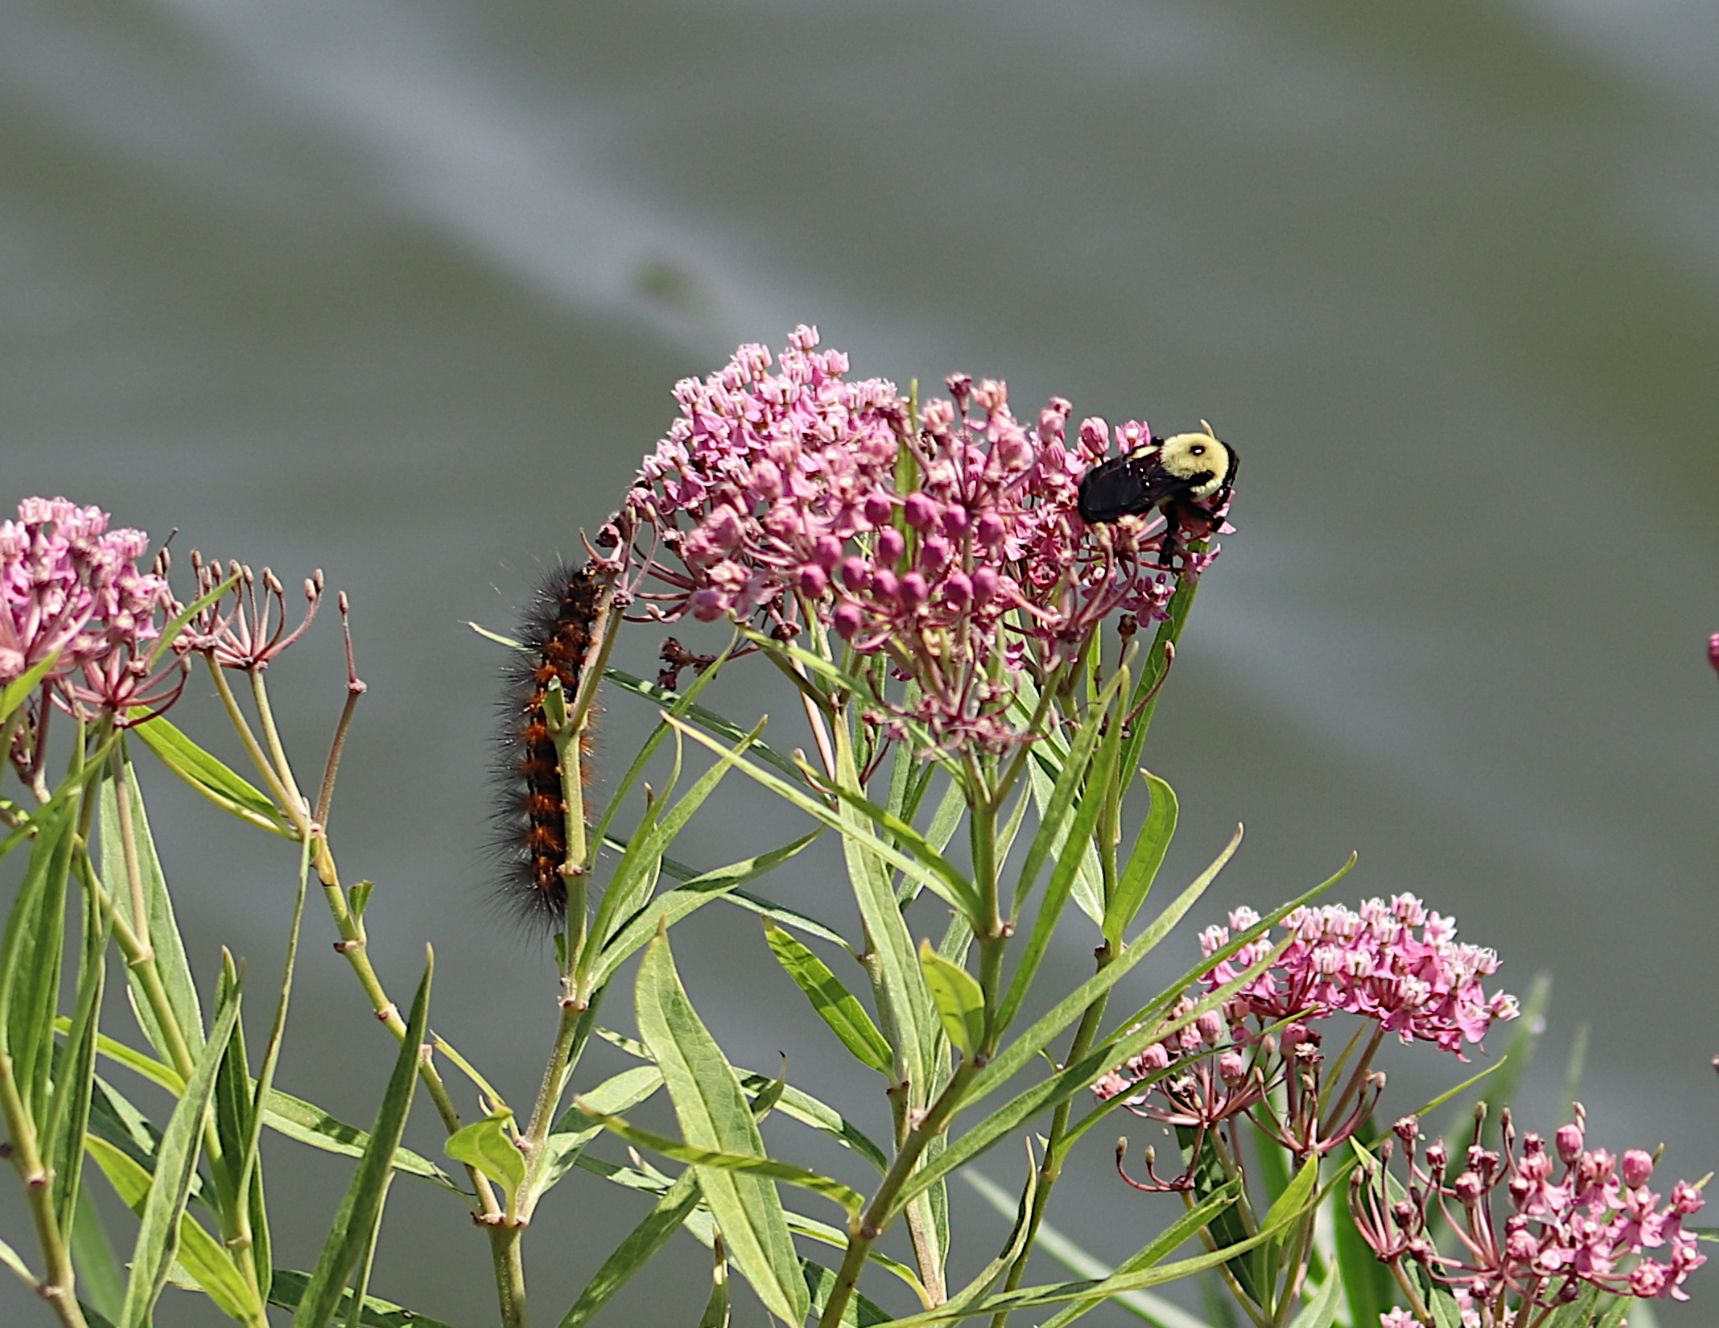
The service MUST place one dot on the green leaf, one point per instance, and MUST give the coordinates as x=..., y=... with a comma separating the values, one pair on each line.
x=834, y=1003
x=960, y=1001
x=991, y=1273
x=636, y=1250
x=488, y=1145
x=74, y=1078
x=159, y=922
x=929, y=867
x=101, y=1282
x=16, y=692
x=716, y=1307
x=1320, y=1309
x=573, y=1130
x=671, y=906
x=766, y=908
x=288, y=1290
x=1078, y=840
x=859, y=1313
x=158, y=1226
x=30, y=960
x=1141, y=1304
x=1294, y=1201
x=849, y=1200
x=204, y=1259
x=713, y=1115
x=361, y=1210
x=711, y=722
x=9, y=1257
x=212, y=778
x=1145, y=859
x=1088, y=891
x=1028, y=1045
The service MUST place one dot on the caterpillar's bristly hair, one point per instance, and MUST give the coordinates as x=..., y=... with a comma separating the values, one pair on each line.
x=558, y=634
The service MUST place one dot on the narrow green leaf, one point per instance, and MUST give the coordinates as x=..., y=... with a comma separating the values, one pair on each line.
x=573, y=1130
x=716, y=1307
x=1293, y=1202
x=1054, y=834
x=101, y=1281
x=1447, y=1314
x=1320, y=1307
x=1088, y=890
x=991, y=1273
x=716, y=725
x=361, y=1210
x=1029, y=1043
x=713, y=1115
x=627, y=891
x=945, y=821
x=162, y=927
x=211, y=777
x=671, y=906
x=288, y=1290
x=1141, y=1304
x=835, y=1004
x=931, y=868
x=635, y=1250
x=959, y=998
x=860, y=1312
x=30, y=960
x=16, y=692
x=1078, y=840
x=488, y=1145
x=9, y=1257
x=1144, y=859
x=204, y=1259
x=850, y=818
x=766, y=908
x=74, y=1075
x=848, y=1199
x=175, y=1160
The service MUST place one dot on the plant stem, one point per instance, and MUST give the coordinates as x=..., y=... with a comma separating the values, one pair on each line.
x=58, y=1288
x=133, y=867
x=865, y=1229
x=570, y=1038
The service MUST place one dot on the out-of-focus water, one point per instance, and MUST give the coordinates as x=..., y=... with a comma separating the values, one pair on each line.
x=399, y=290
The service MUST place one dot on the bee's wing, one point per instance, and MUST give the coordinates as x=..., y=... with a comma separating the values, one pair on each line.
x=1126, y=486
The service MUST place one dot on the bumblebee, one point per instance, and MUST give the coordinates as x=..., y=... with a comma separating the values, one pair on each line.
x=1187, y=476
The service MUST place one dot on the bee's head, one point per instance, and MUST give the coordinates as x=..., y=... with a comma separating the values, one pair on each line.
x=1198, y=460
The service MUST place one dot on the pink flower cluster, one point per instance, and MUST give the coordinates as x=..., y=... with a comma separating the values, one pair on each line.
x=1394, y=961
x=1532, y=1226
x=71, y=588
x=799, y=495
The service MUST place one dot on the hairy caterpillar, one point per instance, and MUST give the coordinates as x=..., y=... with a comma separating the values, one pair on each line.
x=558, y=636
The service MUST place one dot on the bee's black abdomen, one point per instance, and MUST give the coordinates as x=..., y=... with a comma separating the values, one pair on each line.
x=1114, y=489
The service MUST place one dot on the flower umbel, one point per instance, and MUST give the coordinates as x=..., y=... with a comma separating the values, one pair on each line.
x=1534, y=1221
x=71, y=591
x=953, y=552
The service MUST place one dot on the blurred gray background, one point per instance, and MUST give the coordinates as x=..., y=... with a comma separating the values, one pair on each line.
x=400, y=290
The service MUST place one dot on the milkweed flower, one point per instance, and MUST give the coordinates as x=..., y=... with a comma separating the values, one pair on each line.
x=246, y=627
x=1395, y=961
x=955, y=551
x=1533, y=1221
x=71, y=590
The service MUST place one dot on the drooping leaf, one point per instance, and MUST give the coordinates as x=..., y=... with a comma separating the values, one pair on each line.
x=488, y=1146
x=714, y=1115
x=960, y=1001
x=1144, y=860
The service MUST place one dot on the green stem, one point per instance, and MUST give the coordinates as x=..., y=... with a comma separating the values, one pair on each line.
x=571, y=1035
x=864, y=1230
x=58, y=1289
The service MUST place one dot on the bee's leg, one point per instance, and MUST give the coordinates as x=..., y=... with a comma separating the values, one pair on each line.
x=1172, y=541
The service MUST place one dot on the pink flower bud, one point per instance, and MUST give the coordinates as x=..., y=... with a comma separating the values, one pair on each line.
x=854, y=573
x=891, y=544
x=877, y=509
x=884, y=584
x=935, y=553
x=1637, y=1167
x=847, y=619
x=812, y=581
x=1569, y=1141
x=958, y=590
x=1232, y=1067
x=990, y=529
x=984, y=583
x=1713, y=650
x=920, y=510
x=914, y=591
x=707, y=605
x=954, y=521
x=1211, y=1026
x=827, y=552
x=765, y=480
